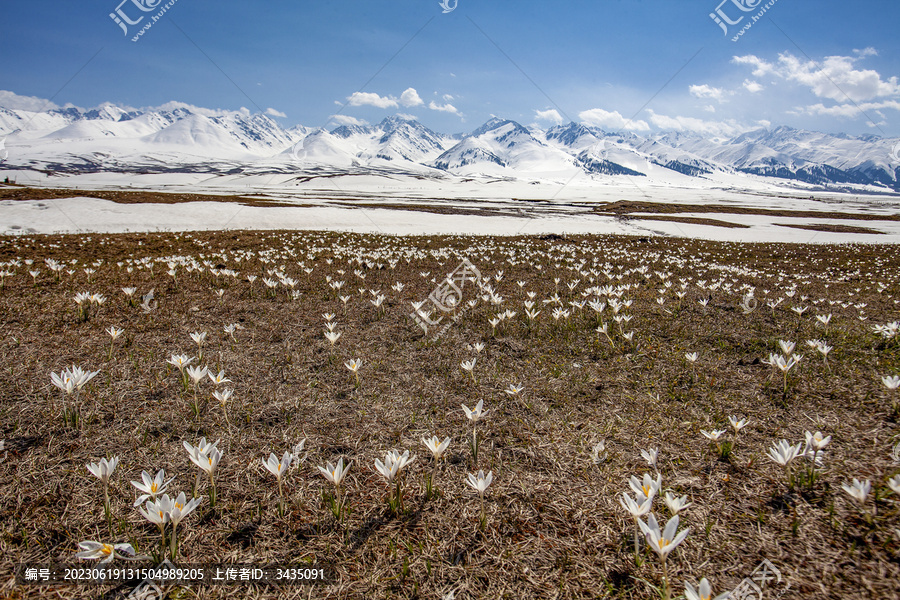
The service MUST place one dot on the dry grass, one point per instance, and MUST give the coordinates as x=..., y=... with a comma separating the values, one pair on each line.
x=692, y=221
x=830, y=227
x=554, y=528
x=10, y=192
x=628, y=207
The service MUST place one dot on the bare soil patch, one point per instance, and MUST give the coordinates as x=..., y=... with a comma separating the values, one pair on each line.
x=693, y=221
x=127, y=197
x=625, y=207
x=830, y=227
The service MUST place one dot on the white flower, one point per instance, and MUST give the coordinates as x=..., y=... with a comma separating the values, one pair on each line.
x=647, y=487
x=663, y=541
x=218, y=379
x=816, y=441
x=859, y=490
x=480, y=482
x=276, y=467
x=736, y=424
x=477, y=413
x=106, y=552
x=393, y=464
x=713, y=435
x=196, y=373
x=335, y=473
x=514, y=390
x=676, y=504
x=180, y=361
x=786, y=347
x=636, y=508
x=436, y=446
x=650, y=456
x=223, y=396
x=151, y=486
x=104, y=469
x=894, y=484
x=703, y=592
x=783, y=452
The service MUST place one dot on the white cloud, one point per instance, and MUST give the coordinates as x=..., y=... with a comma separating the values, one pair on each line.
x=835, y=78
x=449, y=108
x=851, y=110
x=410, y=97
x=709, y=108
x=866, y=52
x=14, y=101
x=551, y=115
x=371, y=99
x=407, y=116
x=752, y=86
x=707, y=91
x=760, y=67
x=275, y=113
x=722, y=129
x=347, y=120
x=448, y=97
x=611, y=120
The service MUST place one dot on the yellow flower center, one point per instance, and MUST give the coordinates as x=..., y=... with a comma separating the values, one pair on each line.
x=107, y=549
x=646, y=489
x=663, y=542
x=153, y=488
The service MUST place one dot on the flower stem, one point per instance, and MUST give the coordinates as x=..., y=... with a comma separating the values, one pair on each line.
x=668, y=588
x=162, y=541
x=173, y=545
x=212, y=491
x=106, y=509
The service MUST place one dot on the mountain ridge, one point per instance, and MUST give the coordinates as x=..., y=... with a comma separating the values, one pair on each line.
x=119, y=138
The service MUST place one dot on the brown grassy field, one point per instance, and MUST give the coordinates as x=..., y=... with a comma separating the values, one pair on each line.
x=554, y=526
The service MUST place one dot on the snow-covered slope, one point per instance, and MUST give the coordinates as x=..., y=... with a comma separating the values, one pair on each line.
x=503, y=147
x=180, y=138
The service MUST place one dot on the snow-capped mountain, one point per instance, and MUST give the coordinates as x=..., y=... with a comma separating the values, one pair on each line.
x=503, y=147
x=395, y=139
x=180, y=138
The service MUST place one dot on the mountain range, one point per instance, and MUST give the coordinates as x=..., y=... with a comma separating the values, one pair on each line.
x=181, y=138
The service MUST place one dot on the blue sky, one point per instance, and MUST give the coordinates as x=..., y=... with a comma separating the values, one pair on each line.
x=642, y=65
